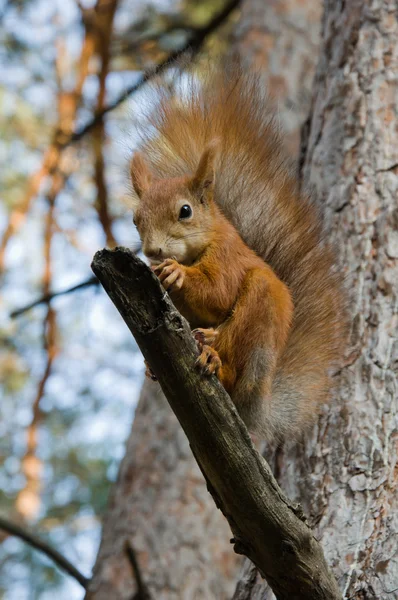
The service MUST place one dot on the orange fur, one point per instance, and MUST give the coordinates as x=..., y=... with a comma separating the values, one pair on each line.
x=218, y=151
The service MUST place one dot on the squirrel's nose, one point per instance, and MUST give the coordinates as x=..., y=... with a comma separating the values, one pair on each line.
x=153, y=253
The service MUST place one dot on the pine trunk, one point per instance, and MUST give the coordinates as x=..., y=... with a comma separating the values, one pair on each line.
x=160, y=504
x=345, y=472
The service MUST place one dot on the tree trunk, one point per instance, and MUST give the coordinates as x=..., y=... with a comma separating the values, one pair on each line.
x=161, y=505
x=160, y=502
x=280, y=38
x=345, y=472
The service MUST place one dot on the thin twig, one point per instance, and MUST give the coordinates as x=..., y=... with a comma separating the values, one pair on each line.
x=142, y=590
x=194, y=44
x=130, y=46
x=45, y=299
x=38, y=544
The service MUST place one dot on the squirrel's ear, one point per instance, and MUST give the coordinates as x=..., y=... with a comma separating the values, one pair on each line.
x=203, y=180
x=141, y=176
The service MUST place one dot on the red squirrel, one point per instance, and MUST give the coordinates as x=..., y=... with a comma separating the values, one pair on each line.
x=240, y=251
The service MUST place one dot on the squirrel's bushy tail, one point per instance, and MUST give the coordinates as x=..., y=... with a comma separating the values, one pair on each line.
x=258, y=191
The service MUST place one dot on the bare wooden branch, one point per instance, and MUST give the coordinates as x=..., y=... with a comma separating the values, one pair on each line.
x=42, y=546
x=142, y=590
x=105, y=13
x=267, y=528
x=28, y=500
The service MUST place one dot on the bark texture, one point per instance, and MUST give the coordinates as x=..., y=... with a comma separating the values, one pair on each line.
x=160, y=500
x=161, y=504
x=345, y=473
x=281, y=38
x=266, y=527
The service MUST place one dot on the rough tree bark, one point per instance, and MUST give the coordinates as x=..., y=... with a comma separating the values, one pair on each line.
x=345, y=473
x=160, y=499
x=161, y=504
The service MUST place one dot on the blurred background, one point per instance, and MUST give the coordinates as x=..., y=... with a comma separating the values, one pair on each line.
x=69, y=369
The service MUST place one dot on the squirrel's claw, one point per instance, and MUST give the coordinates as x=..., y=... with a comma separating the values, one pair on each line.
x=209, y=361
x=171, y=274
x=149, y=373
x=205, y=337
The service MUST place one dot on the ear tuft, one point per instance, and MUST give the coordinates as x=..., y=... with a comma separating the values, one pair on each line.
x=134, y=202
x=204, y=177
x=141, y=176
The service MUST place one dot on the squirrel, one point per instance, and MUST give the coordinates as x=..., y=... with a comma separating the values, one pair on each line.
x=240, y=250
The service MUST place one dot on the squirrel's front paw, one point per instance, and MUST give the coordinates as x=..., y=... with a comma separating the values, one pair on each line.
x=171, y=274
x=205, y=337
x=209, y=361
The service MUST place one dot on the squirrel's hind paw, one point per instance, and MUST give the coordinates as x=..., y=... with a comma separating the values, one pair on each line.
x=209, y=361
x=149, y=373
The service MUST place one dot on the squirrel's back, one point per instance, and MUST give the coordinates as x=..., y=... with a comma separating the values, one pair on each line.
x=258, y=192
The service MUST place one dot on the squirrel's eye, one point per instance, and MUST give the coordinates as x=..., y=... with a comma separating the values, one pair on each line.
x=185, y=212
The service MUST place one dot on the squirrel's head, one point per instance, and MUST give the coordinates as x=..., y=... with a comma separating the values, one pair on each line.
x=174, y=217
